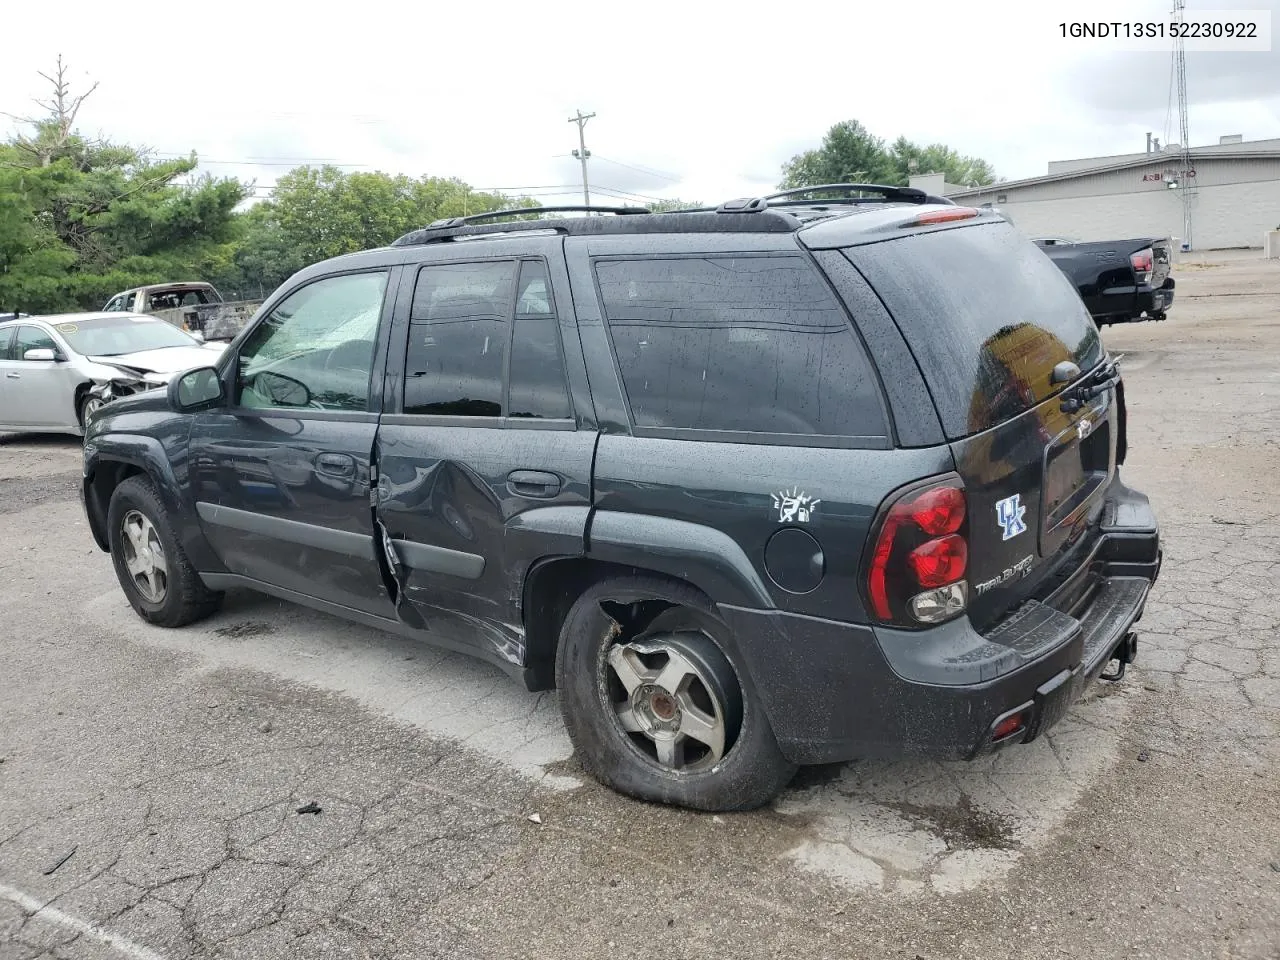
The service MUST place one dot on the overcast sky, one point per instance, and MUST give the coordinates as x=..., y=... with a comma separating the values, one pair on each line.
x=697, y=100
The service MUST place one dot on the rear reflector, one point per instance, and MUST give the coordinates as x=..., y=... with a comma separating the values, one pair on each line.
x=1007, y=727
x=944, y=216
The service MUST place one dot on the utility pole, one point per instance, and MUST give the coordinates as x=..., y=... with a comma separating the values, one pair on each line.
x=582, y=153
x=1186, y=175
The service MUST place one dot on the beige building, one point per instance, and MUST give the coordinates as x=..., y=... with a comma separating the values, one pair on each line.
x=1235, y=195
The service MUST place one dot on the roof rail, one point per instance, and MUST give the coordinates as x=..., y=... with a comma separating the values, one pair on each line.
x=907, y=194
x=536, y=211
x=683, y=221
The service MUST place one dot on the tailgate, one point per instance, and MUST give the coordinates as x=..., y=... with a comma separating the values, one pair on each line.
x=1035, y=487
x=1020, y=381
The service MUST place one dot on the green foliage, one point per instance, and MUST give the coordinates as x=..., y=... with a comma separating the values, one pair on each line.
x=909, y=158
x=667, y=206
x=80, y=221
x=851, y=154
x=321, y=212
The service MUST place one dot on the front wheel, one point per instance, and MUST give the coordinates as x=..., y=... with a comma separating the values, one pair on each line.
x=88, y=407
x=654, y=705
x=154, y=572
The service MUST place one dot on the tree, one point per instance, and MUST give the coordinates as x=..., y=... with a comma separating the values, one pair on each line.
x=668, y=206
x=322, y=212
x=851, y=154
x=909, y=158
x=848, y=154
x=81, y=220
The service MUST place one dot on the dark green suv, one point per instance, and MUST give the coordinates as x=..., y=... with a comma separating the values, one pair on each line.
x=799, y=479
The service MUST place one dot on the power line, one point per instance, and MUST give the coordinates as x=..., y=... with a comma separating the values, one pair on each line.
x=632, y=166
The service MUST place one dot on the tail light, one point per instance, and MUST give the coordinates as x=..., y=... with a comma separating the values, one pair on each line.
x=916, y=569
x=1142, y=262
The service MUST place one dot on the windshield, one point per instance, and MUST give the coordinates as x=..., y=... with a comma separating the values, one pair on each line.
x=114, y=336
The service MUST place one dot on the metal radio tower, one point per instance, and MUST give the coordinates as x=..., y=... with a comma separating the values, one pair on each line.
x=1186, y=182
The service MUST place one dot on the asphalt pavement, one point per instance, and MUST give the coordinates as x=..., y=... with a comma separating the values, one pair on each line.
x=277, y=783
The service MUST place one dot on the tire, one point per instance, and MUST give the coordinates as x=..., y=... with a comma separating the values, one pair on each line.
x=668, y=624
x=177, y=596
x=86, y=409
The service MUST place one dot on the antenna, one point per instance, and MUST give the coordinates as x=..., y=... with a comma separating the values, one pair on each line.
x=1186, y=178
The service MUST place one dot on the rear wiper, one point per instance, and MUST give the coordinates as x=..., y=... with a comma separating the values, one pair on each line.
x=1104, y=378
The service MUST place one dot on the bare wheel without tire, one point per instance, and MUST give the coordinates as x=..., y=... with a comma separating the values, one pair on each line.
x=654, y=705
x=153, y=570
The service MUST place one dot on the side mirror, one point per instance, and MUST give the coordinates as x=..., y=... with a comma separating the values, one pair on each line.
x=280, y=390
x=196, y=335
x=197, y=388
x=40, y=353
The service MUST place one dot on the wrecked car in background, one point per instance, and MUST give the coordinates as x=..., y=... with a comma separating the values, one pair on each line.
x=58, y=370
x=194, y=306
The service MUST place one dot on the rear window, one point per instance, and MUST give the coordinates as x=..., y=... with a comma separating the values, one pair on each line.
x=737, y=344
x=987, y=314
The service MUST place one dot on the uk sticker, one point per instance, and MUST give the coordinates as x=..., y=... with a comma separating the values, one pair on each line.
x=794, y=505
x=1009, y=514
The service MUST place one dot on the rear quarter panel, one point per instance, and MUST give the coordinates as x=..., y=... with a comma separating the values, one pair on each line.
x=731, y=488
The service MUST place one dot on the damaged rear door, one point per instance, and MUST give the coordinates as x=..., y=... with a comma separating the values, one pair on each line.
x=483, y=457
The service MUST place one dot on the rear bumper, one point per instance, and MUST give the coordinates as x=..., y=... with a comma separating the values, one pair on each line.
x=1124, y=303
x=836, y=691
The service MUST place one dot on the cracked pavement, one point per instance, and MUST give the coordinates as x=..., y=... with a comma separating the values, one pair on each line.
x=171, y=765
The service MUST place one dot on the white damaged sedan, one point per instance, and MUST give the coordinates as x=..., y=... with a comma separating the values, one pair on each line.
x=55, y=371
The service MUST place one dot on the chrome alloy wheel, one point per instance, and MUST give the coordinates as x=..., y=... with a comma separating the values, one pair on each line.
x=144, y=556
x=676, y=697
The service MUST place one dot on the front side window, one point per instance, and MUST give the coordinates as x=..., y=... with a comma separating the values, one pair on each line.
x=740, y=344
x=484, y=342
x=31, y=338
x=315, y=349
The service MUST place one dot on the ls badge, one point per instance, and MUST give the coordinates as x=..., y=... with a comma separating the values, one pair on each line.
x=1009, y=514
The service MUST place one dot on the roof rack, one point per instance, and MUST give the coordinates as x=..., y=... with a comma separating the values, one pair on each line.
x=537, y=211
x=766, y=217
x=684, y=221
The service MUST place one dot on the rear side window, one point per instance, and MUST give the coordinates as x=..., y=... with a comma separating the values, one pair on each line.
x=987, y=314
x=484, y=342
x=740, y=344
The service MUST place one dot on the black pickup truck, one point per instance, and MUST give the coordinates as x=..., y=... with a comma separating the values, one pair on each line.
x=1119, y=280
